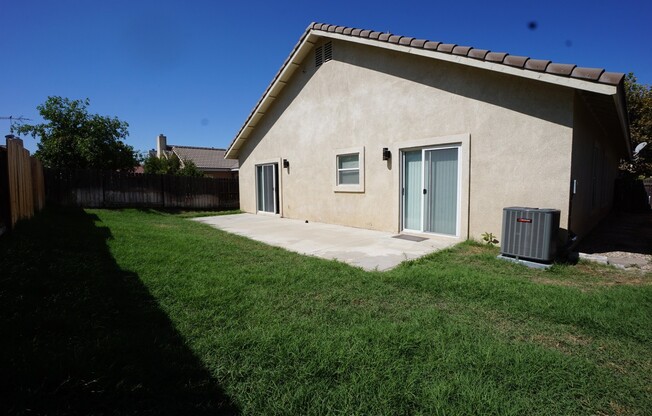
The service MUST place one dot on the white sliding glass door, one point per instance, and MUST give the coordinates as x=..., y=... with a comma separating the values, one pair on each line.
x=267, y=188
x=412, y=186
x=431, y=190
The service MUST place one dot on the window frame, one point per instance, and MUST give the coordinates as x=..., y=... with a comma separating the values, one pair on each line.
x=359, y=187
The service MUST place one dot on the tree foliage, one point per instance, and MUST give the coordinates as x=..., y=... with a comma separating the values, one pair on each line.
x=71, y=138
x=639, y=107
x=171, y=165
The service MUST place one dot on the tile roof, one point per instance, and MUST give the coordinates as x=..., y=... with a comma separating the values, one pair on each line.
x=206, y=158
x=592, y=75
x=598, y=75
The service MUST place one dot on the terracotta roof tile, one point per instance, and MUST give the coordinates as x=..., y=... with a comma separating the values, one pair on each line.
x=384, y=37
x=478, y=53
x=540, y=65
x=461, y=50
x=537, y=64
x=560, y=69
x=592, y=74
x=374, y=35
x=611, y=78
x=431, y=45
x=496, y=57
x=446, y=47
x=514, y=60
x=418, y=43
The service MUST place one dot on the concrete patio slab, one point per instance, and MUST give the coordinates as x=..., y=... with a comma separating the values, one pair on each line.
x=371, y=250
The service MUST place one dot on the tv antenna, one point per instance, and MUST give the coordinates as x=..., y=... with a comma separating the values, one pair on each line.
x=13, y=120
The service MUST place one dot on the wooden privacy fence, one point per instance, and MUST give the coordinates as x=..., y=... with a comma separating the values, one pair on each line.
x=108, y=189
x=22, y=190
x=647, y=184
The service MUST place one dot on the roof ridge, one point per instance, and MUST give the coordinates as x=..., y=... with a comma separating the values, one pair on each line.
x=195, y=147
x=598, y=75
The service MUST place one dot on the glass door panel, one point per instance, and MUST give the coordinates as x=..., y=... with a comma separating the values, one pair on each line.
x=440, y=201
x=430, y=190
x=266, y=192
x=412, y=188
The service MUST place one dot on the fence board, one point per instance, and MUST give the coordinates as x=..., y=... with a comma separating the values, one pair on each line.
x=98, y=189
x=5, y=213
x=21, y=184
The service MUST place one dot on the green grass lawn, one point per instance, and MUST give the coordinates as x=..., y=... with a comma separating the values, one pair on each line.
x=143, y=312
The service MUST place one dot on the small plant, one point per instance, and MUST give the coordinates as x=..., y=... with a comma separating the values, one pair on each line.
x=489, y=238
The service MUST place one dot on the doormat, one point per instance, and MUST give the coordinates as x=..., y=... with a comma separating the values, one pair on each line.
x=409, y=238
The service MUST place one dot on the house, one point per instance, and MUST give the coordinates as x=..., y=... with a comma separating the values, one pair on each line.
x=387, y=132
x=209, y=160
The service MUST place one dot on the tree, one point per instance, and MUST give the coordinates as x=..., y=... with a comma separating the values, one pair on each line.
x=72, y=138
x=639, y=108
x=171, y=165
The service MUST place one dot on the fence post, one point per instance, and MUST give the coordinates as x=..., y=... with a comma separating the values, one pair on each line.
x=5, y=213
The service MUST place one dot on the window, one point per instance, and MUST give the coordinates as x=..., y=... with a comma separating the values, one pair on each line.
x=349, y=170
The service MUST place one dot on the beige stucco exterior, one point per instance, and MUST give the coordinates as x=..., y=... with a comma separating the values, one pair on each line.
x=518, y=139
x=594, y=169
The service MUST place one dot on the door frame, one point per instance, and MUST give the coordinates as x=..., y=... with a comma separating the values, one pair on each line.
x=458, y=216
x=463, y=140
x=278, y=180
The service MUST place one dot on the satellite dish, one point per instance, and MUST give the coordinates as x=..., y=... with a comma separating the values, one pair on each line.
x=640, y=147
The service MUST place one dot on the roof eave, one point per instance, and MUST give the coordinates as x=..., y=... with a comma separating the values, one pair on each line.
x=312, y=33
x=620, y=102
x=566, y=81
x=290, y=65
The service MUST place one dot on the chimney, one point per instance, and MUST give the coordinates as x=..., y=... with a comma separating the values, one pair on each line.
x=161, y=145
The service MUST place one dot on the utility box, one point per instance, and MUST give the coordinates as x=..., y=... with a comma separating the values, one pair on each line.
x=530, y=233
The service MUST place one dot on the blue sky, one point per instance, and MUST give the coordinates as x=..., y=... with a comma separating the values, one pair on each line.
x=193, y=70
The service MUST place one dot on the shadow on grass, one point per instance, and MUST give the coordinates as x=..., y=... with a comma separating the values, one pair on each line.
x=82, y=336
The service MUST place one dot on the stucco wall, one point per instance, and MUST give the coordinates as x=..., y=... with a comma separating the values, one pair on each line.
x=519, y=137
x=595, y=165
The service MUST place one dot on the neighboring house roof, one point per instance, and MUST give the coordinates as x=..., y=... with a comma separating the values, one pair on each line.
x=205, y=158
x=591, y=80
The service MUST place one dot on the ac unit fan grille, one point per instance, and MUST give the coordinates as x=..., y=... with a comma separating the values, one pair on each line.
x=530, y=233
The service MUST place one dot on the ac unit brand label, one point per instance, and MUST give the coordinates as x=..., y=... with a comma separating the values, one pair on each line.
x=525, y=220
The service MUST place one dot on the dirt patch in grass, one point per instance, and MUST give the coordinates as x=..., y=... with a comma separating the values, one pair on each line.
x=476, y=249
x=599, y=279
x=564, y=342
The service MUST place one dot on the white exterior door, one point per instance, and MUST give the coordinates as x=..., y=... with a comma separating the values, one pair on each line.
x=267, y=188
x=431, y=190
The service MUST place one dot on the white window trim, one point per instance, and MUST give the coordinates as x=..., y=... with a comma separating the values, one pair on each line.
x=348, y=188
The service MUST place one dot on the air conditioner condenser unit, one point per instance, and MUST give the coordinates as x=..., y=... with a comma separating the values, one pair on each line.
x=530, y=233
